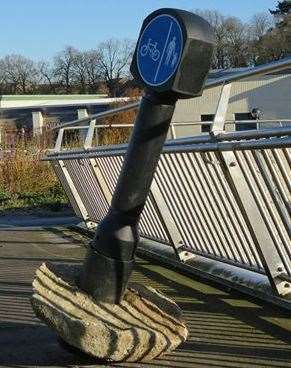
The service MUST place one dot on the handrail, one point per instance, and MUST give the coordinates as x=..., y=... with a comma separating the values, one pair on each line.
x=256, y=71
x=183, y=123
x=233, y=138
x=99, y=115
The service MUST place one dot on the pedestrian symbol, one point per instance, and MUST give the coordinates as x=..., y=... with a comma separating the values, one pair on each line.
x=171, y=51
x=159, y=50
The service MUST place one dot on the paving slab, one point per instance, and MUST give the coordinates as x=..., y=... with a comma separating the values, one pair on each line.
x=226, y=328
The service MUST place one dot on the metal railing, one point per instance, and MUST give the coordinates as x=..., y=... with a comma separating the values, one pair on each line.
x=223, y=195
x=175, y=125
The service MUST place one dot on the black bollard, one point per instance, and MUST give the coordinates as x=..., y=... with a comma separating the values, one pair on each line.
x=171, y=61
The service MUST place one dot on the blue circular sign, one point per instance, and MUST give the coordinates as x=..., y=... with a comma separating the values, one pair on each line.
x=159, y=50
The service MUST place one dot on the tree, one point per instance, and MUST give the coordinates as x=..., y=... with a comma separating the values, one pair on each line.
x=114, y=58
x=64, y=64
x=87, y=70
x=237, y=54
x=217, y=21
x=93, y=69
x=80, y=71
x=231, y=39
x=47, y=75
x=20, y=73
x=259, y=25
x=268, y=41
x=282, y=14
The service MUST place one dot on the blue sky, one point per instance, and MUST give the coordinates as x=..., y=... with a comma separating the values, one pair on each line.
x=40, y=28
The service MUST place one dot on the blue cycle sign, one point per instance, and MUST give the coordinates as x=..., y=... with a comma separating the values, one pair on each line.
x=159, y=50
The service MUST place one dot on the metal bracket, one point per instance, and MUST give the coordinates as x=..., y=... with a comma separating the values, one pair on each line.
x=185, y=256
x=91, y=225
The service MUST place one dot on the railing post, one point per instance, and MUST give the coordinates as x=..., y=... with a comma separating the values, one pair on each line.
x=37, y=123
x=90, y=134
x=58, y=144
x=268, y=253
x=220, y=115
x=173, y=131
x=169, y=224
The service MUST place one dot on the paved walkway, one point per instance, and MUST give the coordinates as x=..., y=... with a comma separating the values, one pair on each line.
x=226, y=329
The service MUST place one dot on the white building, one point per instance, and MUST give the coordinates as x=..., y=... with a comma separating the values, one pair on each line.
x=270, y=93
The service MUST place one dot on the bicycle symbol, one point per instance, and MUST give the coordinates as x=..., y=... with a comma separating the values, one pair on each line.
x=151, y=49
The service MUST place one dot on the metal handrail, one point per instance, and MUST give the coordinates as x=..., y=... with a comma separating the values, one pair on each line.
x=182, y=123
x=222, y=141
x=99, y=115
x=275, y=66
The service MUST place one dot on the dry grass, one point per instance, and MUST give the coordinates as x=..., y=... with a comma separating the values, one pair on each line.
x=118, y=135
x=25, y=180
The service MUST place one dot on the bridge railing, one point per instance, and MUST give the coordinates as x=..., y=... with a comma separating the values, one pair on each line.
x=225, y=196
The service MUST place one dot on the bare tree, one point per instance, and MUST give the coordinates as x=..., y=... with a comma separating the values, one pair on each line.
x=80, y=75
x=237, y=49
x=267, y=41
x=93, y=69
x=47, y=75
x=114, y=58
x=217, y=21
x=20, y=73
x=64, y=64
x=259, y=25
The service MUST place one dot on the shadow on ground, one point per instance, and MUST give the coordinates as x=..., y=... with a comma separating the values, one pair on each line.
x=226, y=329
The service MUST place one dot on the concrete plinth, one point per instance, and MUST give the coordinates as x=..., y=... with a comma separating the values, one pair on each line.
x=145, y=325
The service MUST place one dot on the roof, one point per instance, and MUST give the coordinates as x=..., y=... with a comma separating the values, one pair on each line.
x=220, y=73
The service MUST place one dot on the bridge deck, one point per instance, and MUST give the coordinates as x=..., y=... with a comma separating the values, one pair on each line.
x=226, y=329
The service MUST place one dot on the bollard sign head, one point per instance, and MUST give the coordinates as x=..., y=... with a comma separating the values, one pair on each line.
x=173, y=53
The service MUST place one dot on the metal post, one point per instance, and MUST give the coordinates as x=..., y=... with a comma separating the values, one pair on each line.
x=220, y=115
x=37, y=123
x=173, y=131
x=256, y=225
x=82, y=113
x=90, y=134
x=246, y=201
x=58, y=144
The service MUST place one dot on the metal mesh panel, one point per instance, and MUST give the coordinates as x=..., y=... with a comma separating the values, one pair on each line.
x=60, y=174
x=89, y=190
x=150, y=224
x=267, y=173
x=201, y=202
x=194, y=184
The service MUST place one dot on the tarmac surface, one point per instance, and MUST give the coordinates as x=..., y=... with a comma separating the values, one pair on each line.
x=226, y=328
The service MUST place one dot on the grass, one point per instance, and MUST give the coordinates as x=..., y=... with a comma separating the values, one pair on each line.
x=26, y=181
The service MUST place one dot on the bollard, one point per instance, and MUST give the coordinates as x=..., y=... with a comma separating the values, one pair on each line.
x=92, y=308
x=171, y=61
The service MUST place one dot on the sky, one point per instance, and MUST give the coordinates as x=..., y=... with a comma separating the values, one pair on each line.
x=40, y=28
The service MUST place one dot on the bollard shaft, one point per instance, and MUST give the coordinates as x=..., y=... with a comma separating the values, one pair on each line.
x=110, y=258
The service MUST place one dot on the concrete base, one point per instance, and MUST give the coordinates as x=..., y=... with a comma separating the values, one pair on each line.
x=145, y=325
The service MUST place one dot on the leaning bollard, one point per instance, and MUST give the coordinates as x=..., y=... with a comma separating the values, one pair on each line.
x=171, y=61
x=94, y=309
